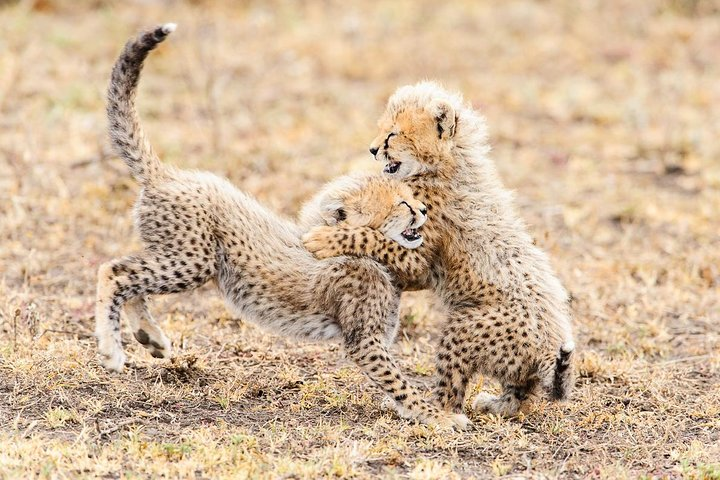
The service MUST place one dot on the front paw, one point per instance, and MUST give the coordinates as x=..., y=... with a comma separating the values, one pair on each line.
x=113, y=359
x=429, y=414
x=446, y=421
x=111, y=352
x=318, y=241
x=504, y=406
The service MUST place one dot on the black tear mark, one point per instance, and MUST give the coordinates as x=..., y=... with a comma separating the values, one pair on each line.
x=409, y=207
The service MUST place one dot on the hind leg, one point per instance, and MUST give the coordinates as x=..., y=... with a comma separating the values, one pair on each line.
x=107, y=318
x=128, y=278
x=146, y=330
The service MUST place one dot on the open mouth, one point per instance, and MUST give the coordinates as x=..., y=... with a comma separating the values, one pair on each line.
x=411, y=235
x=391, y=167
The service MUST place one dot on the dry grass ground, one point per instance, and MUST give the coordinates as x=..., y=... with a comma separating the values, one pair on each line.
x=603, y=117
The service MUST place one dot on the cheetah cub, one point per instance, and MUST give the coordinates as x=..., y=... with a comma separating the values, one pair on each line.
x=197, y=227
x=507, y=313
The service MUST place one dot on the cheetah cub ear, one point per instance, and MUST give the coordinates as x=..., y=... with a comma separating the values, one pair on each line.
x=332, y=212
x=333, y=215
x=444, y=115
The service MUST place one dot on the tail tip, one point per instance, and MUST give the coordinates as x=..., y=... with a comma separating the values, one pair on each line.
x=563, y=375
x=567, y=347
x=168, y=28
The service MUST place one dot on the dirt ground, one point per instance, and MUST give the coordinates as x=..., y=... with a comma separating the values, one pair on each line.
x=603, y=118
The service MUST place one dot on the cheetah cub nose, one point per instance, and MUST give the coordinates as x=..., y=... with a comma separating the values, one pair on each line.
x=423, y=210
x=373, y=151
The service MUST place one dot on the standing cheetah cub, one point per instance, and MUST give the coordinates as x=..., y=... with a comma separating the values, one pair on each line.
x=508, y=314
x=197, y=227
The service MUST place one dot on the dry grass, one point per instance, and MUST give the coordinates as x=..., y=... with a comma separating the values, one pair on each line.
x=601, y=117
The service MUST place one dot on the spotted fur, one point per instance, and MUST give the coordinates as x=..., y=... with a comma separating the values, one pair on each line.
x=197, y=227
x=507, y=313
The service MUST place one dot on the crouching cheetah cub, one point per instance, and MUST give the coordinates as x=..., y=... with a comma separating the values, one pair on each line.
x=507, y=313
x=197, y=227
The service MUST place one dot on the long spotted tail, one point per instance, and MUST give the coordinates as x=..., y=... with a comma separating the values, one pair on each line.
x=128, y=137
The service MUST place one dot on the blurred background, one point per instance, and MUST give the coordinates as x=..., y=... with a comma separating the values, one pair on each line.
x=602, y=116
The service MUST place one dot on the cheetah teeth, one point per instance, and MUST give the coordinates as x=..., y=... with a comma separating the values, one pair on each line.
x=392, y=167
x=411, y=234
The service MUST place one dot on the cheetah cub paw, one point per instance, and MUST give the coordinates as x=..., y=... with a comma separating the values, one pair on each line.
x=388, y=405
x=447, y=420
x=455, y=421
x=435, y=417
x=497, y=405
x=112, y=356
x=158, y=344
x=320, y=241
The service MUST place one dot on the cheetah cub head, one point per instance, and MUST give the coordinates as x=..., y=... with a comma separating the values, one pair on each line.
x=422, y=129
x=376, y=202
